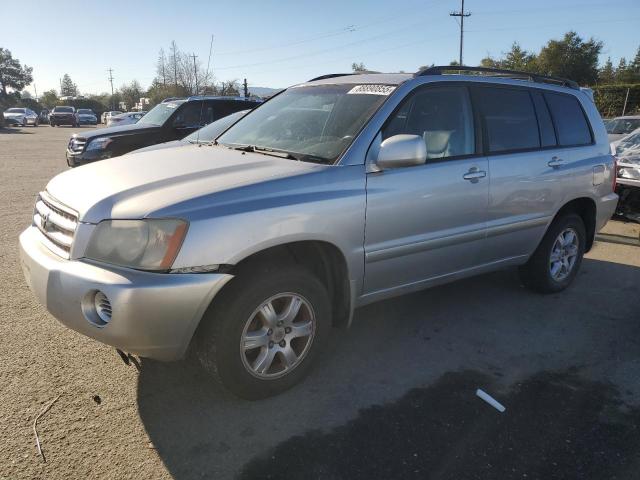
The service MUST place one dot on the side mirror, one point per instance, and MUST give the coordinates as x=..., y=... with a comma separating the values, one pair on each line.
x=402, y=151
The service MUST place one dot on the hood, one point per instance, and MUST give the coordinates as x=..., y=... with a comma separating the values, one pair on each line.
x=135, y=186
x=118, y=130
x=162, y=146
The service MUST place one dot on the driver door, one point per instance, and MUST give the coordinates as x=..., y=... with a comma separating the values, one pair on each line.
x=428, y=222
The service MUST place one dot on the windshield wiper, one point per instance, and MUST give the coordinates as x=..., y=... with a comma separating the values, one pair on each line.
x=301, y=157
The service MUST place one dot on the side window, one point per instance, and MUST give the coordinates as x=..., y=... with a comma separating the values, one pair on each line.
x=188, y=115
x=509, y=119
x=441, y=116
x=571, y=124
x=547, y=133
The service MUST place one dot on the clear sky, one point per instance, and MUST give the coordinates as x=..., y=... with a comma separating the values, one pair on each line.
x=279, y=43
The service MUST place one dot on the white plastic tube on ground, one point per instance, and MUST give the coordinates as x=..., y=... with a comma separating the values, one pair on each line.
x=490, y=400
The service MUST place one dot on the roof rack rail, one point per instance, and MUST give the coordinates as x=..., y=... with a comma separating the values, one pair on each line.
x=532, y=77
x=330, y=75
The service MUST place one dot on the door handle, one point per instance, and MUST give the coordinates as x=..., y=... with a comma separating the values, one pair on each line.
x=555, y=162
x=474, y=175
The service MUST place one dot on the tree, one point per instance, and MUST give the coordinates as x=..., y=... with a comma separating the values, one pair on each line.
x=607, y=74
x=515, y=59
x=229, y=88
x=571, y=58
x=629, y=72
x=12, y=74
x=49, y=98
x=68, y=88
x=358, y=67
x=130, y=94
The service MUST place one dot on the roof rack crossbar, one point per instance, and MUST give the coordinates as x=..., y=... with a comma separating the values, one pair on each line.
x=532, y=77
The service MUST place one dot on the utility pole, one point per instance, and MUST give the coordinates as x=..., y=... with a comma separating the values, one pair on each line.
x=35, y=90
x=462, y=15
x=110, y=70
x=195, y=70
x=61, y=87
x=246, y=89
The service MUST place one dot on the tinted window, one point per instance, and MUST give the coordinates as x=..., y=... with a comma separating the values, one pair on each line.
x=189, y=115
x=547, y=133
x=509, y=119
x=569, y=119
x=441, y=116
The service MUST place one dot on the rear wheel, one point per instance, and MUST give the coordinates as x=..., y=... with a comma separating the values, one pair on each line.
x=556, y=261
x=265, y=330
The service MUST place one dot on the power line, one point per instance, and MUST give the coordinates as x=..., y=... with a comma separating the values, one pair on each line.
x=462, y=16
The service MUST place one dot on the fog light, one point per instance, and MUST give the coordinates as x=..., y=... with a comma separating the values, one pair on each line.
x=96, y=308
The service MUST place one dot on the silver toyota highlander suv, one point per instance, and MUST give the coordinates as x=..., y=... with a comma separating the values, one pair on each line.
x=333, y=194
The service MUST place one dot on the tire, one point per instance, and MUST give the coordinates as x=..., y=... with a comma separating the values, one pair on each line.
x=538, y=273
x=52, y=124
x=234, y=314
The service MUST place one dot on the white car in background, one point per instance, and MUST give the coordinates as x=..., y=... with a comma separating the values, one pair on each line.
x=20, y=116
x=107, y=115
x=124, y=118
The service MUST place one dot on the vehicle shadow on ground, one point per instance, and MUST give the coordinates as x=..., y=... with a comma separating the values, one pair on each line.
x=488, y=329
x=15, y=131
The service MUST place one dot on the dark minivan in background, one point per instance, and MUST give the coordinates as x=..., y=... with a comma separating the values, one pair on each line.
x=172, y=119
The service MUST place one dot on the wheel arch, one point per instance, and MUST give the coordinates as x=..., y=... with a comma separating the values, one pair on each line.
x=585, y=207
x=322, y=258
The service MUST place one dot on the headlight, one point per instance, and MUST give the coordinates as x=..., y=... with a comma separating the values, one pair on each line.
x=99, y=143
x=143, y=244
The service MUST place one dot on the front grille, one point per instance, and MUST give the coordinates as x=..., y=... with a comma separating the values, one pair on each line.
x=57, y=223
x=76, y=145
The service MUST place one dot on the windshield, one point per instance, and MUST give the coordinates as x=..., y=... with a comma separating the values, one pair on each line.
x=16, y=110
x=629, y=145
x=213, y=130
x=159, y=114
x=85, y=111
x=623, y=125
x=63, y=109
x=317, y=121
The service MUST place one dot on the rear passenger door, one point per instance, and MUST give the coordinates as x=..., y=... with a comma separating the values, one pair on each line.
x=526, y=165
x=427, y=221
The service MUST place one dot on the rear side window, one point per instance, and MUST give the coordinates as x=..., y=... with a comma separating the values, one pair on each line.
x=509, y=119
x=547, y=133
x=571, y=124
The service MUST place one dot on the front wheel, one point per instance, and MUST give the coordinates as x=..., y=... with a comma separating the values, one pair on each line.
x=264, y=331
x=556, y=261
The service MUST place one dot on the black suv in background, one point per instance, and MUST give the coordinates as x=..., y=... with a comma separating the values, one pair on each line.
x=172, y=119
x=63, y=116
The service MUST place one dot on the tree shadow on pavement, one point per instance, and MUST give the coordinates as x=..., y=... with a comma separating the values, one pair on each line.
x=489, y=329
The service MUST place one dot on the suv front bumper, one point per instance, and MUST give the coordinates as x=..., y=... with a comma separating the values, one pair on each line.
x=154, y=315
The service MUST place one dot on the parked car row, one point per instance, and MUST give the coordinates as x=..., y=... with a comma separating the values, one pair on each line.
x=333, y=194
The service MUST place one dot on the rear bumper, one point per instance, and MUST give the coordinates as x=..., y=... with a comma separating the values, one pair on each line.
x=605, y=209
x=154, y=315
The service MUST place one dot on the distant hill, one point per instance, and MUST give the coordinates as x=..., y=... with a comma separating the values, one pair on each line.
x=263, y=91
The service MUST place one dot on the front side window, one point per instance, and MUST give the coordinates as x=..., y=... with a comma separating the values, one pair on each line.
x=441, y=116
x=315, y=123
x=189, y=116
x=509, y=119
x=571, y=124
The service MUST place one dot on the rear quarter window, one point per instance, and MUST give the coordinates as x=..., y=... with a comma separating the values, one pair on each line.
x=569, y=119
